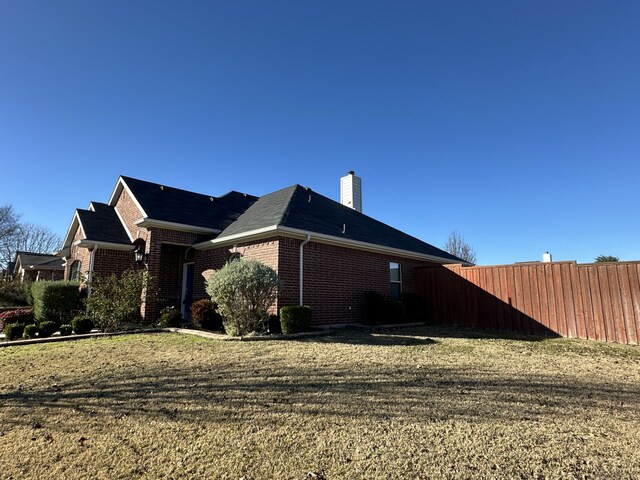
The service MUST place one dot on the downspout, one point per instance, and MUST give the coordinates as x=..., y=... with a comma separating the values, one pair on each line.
x=92, y=259
x=301, y=267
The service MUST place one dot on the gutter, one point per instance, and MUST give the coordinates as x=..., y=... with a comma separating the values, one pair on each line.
x=301, y=278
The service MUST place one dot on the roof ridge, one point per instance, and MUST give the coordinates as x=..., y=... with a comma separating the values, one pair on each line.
x=285, y=213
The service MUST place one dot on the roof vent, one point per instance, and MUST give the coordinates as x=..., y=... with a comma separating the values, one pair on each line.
x=161, y=187
x=351, y=191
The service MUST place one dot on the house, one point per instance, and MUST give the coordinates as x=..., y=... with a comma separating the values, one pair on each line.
x=31, y=267
x=327, y=254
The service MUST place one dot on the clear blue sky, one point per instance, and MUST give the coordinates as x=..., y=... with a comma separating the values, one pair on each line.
x=516, y=123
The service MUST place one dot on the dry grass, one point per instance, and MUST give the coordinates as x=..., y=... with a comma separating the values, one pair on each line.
x=409, y=404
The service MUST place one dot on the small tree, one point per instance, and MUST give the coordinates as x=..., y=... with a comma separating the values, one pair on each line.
x=243, y=290
x=115, y=301
x=606, y=258
x=457, y=246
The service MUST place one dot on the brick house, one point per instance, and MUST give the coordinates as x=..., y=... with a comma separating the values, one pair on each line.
x=326, y=253
x=32, y=267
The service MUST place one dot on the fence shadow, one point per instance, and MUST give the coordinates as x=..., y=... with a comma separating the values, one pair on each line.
x=452, y=300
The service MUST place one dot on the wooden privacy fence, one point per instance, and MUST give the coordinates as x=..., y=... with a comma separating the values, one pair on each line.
x=598, y=301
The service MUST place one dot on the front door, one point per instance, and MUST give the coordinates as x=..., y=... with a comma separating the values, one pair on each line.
x=187, y=290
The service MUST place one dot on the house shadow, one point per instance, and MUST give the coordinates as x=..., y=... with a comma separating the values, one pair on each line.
x=463, y=309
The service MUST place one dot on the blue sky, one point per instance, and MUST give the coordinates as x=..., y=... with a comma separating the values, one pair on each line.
x=515, y=123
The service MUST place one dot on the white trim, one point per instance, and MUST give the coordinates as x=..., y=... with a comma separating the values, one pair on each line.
x=150, y=222
x=120, y=184
x=75, y=219
x=322, y=238
x=86, y=243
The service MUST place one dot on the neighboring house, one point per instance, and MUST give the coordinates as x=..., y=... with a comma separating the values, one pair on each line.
x=31, y=267
x=326, y=254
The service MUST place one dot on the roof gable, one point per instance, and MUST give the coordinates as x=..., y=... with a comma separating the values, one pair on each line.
x=177, y=206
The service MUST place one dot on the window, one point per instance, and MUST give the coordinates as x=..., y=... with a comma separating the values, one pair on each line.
x=74, y=273
x=395, y=273
x=234, y=257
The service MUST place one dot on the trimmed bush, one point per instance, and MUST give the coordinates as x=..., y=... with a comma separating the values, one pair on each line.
x=275, y=327
x=65, y=330
x=12, y=294
x=48, y=328
x=205, y=316
x=55, y=302
x=81, y=325
x=170, y=317
x=13, y=331
x=117, y=300
x=244, y=290
x=375, y=307
x=295, y=319
x=23, y=316
x=28, y=294
x=30, y=331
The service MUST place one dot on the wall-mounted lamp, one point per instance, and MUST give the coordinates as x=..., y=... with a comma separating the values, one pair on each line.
x=139, y=254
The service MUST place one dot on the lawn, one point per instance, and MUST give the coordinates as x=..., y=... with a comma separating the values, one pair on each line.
x=420, y=403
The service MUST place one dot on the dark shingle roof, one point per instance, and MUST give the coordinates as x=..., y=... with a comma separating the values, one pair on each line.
x=43, y=260
x=102, y=224
x=170, y=204
x=291, y=208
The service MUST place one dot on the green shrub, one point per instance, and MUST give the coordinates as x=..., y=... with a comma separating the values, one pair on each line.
x=28, y=294
x=55, y=301
x=415, y=307
x=205, y=316
x=81, y=325
x=65, y=330
x=30, y=331
x=48, y=328
x=24, y=316
x=170, y=317
x=117, y=300
x=244, y=290
x=11, y=294
x=295, y=319
x=13, y=331
x=396, y=312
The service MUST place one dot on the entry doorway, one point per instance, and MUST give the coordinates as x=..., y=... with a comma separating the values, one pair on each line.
x=187, y=290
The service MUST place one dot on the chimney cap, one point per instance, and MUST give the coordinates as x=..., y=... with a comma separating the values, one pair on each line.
x=351, y=172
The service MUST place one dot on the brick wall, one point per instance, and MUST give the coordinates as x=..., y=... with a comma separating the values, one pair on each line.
x=78, y=253
x=129, y=213
x=336, y=278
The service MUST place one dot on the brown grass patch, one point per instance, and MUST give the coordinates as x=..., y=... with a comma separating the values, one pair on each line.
x=421, y=403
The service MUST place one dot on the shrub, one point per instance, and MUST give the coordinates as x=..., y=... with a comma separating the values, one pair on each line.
x=376, y=307
x=205, y=316
x=81, y=325
x=30, y=331
x=170, y=317
x=275, y=327
x=115, y=301
x=13, y=331
x=396, y=312
x=23, y=315
x=12, y=294
x=415, y=306
x=28, y=294
x=65, y=330
x=243, y=290
x=55, y=301
x=47, y=329
x=295, y=319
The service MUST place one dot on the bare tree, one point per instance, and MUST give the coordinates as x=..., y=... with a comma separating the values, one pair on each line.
x=8, y=222
x=457, y=246
x=26, y=237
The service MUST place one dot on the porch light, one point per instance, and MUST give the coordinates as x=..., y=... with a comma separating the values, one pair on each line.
x=139, y=255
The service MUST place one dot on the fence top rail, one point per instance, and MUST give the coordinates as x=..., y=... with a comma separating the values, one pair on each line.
x=535, y=264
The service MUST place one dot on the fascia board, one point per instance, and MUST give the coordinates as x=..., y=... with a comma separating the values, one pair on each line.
x=321, y=238
x=86, y=243
x=150, y=222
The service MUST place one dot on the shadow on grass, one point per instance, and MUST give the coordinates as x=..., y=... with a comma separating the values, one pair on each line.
x=242, y=389
x=359, y=336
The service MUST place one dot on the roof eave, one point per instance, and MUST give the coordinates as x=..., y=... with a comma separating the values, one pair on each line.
x=150, y=222
x=87, y=243
x=321, y=238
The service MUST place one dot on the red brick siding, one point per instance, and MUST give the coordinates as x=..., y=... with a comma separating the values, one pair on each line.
x=107, y=261
x=78, y=253
x=129, y=212
x=335, y=279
